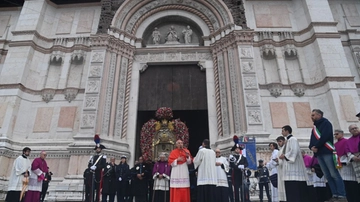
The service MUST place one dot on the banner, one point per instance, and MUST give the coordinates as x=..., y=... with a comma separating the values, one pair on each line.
x=249, y=151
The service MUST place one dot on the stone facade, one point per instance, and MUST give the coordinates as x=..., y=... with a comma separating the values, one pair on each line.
x=67, y=73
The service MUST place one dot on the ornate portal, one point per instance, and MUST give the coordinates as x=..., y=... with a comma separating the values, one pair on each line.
x=159, y=136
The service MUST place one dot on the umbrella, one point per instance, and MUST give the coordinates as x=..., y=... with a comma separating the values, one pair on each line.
x=25, y=184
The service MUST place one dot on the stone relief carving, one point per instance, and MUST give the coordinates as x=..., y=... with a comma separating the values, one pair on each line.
x=356, y=51
x=70, y=94
x=248, y=67
x=289, y=51
x=298, y=89
x=265, y=35
x=285, y=35
x=93, y=87
x=201, y=64
x=268, y=51
x=275, y=89
x=108, y=10
x=109, y=93
x=121, y=97
x=48, y=94
x=77, y=57
x=90, y=102
x=254, y=117
x=95, y=71
x=187, y=34
x=56, y=58
x=88, y=120
x=223, y=95
x=156, y=4
x=173, y=57
x=245, y=53
x=97, y=57
x=234, y=90
x=250, y=82
x=252, y=99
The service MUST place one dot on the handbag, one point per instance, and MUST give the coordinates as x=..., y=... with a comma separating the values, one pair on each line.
x=274, y=179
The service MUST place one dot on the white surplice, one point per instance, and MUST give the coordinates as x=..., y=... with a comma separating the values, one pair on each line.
x=272, y=166
x=294, y=169
x=20, y=166
x=179, y=177
x=221, y=174
x=281, y=183
x=205, y=161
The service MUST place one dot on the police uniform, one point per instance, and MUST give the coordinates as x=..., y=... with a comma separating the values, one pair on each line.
x=109, y=182
x=262, y=174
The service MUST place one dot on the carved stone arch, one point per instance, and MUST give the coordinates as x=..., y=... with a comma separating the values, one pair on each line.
x=133, y=12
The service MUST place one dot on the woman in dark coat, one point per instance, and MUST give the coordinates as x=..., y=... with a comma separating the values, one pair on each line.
x=123, y=176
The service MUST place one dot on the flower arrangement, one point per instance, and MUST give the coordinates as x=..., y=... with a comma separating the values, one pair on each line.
x=164, y=113
x=150, y=128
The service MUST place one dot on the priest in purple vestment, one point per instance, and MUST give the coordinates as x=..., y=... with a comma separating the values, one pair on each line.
x=161, y=176
x=353, y=152
x=37, y=175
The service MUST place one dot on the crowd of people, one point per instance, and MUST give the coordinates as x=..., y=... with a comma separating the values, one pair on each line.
x=332, y=173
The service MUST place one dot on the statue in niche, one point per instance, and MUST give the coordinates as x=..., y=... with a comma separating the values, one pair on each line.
x=172, y=36
x=187, y=34
x=156, y=36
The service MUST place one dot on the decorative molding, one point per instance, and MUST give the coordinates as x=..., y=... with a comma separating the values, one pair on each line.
x=248, y=67
x=48, y=94
x=298, y=89
x=78, y=57
x=121, y=96
x=250, y=82
x=57, y=58
x=93, y=86
x=112, y=44
x=267, y=51
x=234, y=89
x=201, y=64
x=91, y=103
x=98, y=57
x=127, y=98
x=252, y=99
x=289, y=51
x=311, y=86
x=235, y=38
x=70, y=94
x=223, y=95
x=32, y=91
x=143, y=67
x=217, y=96
x=171, y=57
x=108, y=95
x=275, y=89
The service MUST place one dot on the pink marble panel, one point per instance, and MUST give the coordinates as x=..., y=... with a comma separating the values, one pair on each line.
x=65, y=22
x=4, y=21
x=85, y=21
x=43, y=119
x=67, y=117
x=272, y=16
x=3, y=107
x=348, y=107
x=303, y=114
x=279, y=114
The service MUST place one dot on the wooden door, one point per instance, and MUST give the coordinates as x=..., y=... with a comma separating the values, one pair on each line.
x=181, y=87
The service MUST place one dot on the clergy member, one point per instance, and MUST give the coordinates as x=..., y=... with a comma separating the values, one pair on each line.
x=179, y=178
x=272, y=166
x=280, y=167
x=222, y=186
x=205, y=162
x=38, y=170
x=161, y=176
x=238, y=163
x=353, y=152
x=295, y=176
x=20, y=170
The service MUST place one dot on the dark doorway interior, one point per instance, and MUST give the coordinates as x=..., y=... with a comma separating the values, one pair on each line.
x=195, y=120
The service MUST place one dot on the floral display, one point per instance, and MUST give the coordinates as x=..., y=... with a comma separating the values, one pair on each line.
x=150, y=129
x=164, y=113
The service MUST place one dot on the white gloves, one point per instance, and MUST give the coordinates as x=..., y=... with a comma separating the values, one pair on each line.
x=93, y=167
x=120, y=179
x=241, y=166
x=231, y=156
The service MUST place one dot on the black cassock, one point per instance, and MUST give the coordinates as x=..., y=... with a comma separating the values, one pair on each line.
x=139, y=187
x=238, y=175
x=88, y=176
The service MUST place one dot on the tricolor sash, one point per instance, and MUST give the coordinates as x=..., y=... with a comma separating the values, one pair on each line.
x=330, y=146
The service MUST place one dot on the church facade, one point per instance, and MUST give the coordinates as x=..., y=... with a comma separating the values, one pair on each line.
x=70, y=71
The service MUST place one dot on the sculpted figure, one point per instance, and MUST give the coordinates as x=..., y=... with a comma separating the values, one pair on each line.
x=156, y=36
x=187, y=34
x=172, y=35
